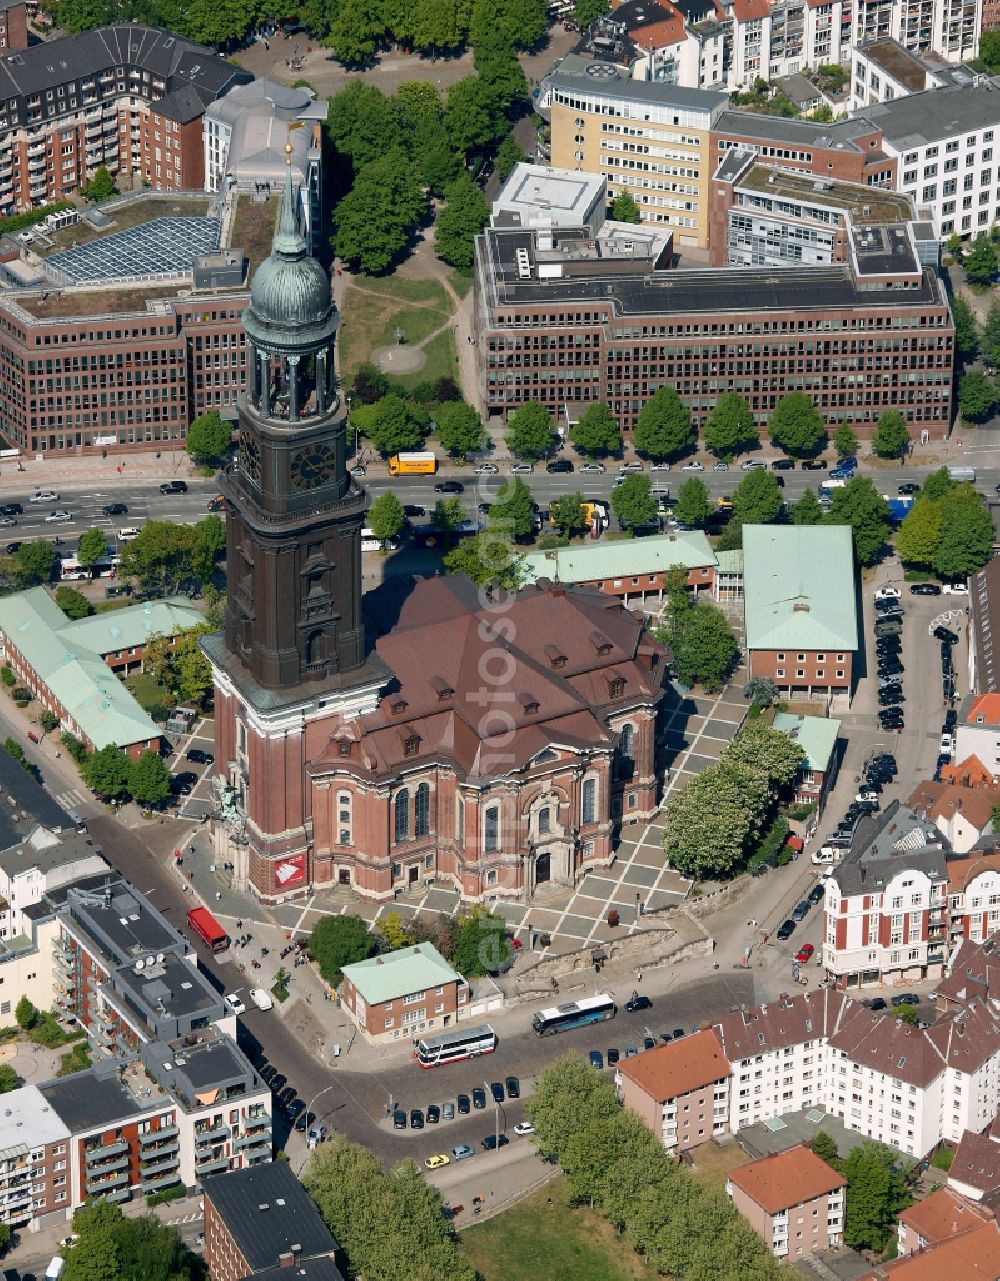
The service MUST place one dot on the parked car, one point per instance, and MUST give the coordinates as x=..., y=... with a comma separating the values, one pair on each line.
x=596, y=1059
x=464, y=1105
x=521, y=469
x=888, y=593
x=462, y=1152
x=513, y=1087
x=947, y=743
x=801, y=910
x=785, y=930
x=925, y=589
x=907, y=487
x=293, y=1109
x=783, y=464
x=496, y=1089
x=905, y=998
x=449, y=487
x=888, y=627
x=720, y=466
x=951, y=718
x=559, y=465
x=945, y=634
x=816, y=893
x=592, y=469
x=262, y=999
x=804, y=953
x=127, y=533
x=956, y=589
x=433, y=1114
x=412, y=510
x=235, y=1003
x=637, y=1002
x=876, y=1003
x=416, y=1119
x=200, y=756
x=479, y=1097
x=636, y=465
x=485, y=469
x=174, y=487
x=750, y=463
x=399, y=1119
x=814, y=464
x=115, y=509
x=523, y=1127
x=613, y=1056
x=448, y=1110
x=693, y=465
x=435, y=1162
x=492, y=1142
x=44, y=496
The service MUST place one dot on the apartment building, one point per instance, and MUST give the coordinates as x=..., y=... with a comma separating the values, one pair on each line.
x=975, y=1167
x=680, y=1090
x=801, y=633
x=13, y=24
x=793, y=1200
x=883, y=70
x=566, y=321
x=262, y=1223
x=886, y=914
x=970, y=1256
x=943, y=1214
x=35, y=1180
x=973, y=973
x=963, y=814
x=402, y=993
x=78, y=379
x=41, y=863
x=646, y=137
x=128, y=96
x=944, y=143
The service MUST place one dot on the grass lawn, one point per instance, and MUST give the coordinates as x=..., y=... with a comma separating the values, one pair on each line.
x=148, y=692
x=461, y=284
x=557, y=1242
x=374, y=308
x=253, y=228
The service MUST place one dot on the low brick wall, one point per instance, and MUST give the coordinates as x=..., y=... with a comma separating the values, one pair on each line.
x=707, y=904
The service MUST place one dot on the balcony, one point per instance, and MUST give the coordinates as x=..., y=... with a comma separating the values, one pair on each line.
x=248, y=1142
x=257, y=1122
x=212, y=1165
x=157, y=1162
x=215, y=1135
x=157, y=1136
x=106, y=1182
x=106, y=1152
x=161, y=1179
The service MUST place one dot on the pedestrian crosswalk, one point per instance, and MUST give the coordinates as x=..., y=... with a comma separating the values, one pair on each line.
x=72, y=799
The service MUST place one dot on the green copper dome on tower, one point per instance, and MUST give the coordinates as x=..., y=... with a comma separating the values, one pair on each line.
x=290, y=300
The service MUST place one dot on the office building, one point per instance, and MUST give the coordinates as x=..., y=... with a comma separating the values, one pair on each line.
x=127, y=96
x=845, y=151
x=644, y=137
x=536, y=196
x=566, y=321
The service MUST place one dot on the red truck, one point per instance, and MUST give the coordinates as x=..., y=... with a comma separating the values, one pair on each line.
x=208, y=928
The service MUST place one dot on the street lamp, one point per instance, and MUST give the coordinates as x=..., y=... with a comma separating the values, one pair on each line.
x=497, y=1110
x=309, y=1109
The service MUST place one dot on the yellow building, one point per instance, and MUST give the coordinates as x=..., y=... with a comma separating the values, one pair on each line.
x=645, y=137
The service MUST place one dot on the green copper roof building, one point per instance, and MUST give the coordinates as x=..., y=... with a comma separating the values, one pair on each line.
x=798, y=584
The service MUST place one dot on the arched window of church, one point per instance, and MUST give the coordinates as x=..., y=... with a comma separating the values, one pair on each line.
x=402, y=815
x=315, y=647
x=626, y=763
x=544, y=820
x=422, y=810
x=589, y=806
x=460, y=820
x=491, y=829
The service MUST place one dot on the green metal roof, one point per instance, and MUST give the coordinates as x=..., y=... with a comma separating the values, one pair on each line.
x=629, y=557
x=411, y=969
x=816, y=735
x=730, y=562
x=798, y=587
x=77, y=676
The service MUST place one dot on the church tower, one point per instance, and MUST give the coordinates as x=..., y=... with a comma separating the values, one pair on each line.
x=293, y=652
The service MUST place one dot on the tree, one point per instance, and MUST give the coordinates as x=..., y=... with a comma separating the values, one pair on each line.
x=796, y=425
x=48, y=720
x=509, y=156
x=447, y=515
x=386, y=516
x=966, y=534
x=376, y=218
x=760, y=691
x=706, y=650
x=692, y=505
x=807, y=510
x=501, y=78
x=976, y=396
x=73, y=603
x=355, y=32
x=938, y=483
x=706, y=824
x=891, y=437
x=989, y=49
x=390, y=424
x=730, y=427
x=160, y=557
x=208, y=541
x=633, y=502
x=394, y=933
x=907, y=1013
x=596, y=433
x=459, y=428
x=513, y=511
x=337, y=941
x=567, y=513
x=530, y=433
x=25, y=1014
x=920, y=532
x=369, y=384
x=101, y=186
x=966, y=334
x=110, y=1247
x=464, y=215
x=663, y=429
x=826, y=1149
x=106, y=772
x=624, y=208
x=208, y=437
x=860, y=505
x=32, y=563
x=757, y=498
x=991, y=329
x=481, y=943
x=980, y=261
x=472, y=116
x=568, y=1100
x=189, y=670
x=763, y=748
x=587, y=12
x=845, y=439
x=149, y=779
x=876, y=1192
x=489, y=560
x=93, y=545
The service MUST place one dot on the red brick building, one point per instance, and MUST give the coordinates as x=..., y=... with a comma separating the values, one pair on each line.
x=75, y=379
x=13, y=24
x=404, y=992
x=129, y=97
x=849, y=150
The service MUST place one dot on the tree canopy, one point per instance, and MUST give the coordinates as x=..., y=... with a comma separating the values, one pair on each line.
x=481, y=945
x=663, y=429
x=106, y=772
x=860, y=505
x=513, y=510
x=624, y=208
x=705, y=649
x=376, y=218
x=692, y=506
x=845, y=439
x=208, y=437
x=386, y=516
x=73, y=603
x=980, y=261
x=149, y=779
x=459, y=428
x=530, y=431
x=633, y=502
x=32, y=562
x=807, y=510
x=568, y=514
x=464, y=215
x=112, y=1247
x=757, y=498
x=891, y=437
x=489, y=560
x=876, y=1191
x=730, y=426
x=596, y=433
x=796, y=425
x=391, y=424
x=977, y=396
x=92, y=546
x=337, y=941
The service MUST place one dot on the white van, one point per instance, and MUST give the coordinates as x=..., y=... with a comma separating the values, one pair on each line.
x=823, y=857
x=369, y=543
x=55, y=1269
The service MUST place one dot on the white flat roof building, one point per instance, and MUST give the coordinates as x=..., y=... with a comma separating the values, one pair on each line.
x=535, y=196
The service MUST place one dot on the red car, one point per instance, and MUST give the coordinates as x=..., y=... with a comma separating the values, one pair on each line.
x=804, y=953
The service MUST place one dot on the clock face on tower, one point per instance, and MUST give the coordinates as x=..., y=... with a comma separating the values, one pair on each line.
x=250, y=459
x=313, y=465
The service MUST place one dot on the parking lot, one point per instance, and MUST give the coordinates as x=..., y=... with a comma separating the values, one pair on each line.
x=196, y=804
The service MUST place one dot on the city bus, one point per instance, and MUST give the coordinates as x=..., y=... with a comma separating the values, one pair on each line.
x=460, y=1043
x=561, y=1018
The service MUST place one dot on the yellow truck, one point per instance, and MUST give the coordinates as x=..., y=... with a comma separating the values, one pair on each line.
x=424, y=464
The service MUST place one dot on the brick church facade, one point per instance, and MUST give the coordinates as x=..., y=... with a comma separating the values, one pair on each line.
x=490, y=746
